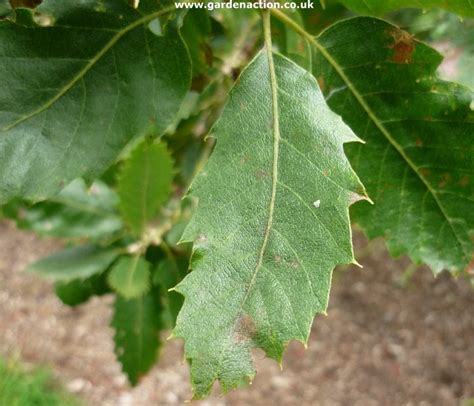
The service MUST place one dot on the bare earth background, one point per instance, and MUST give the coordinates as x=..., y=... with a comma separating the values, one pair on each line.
x=381, y=344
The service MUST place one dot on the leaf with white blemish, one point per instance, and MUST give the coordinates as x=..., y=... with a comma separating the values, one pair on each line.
x=271, y=223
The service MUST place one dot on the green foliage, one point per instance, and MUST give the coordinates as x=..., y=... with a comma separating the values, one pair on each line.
x=75, y=263
x=74, y=93
x=419, y=134
x=275, y=267
x=19, y=387
x=77, y=212
x=377, y=7
x=168, y=274
x=137, y=328
x=105, y=111
x=144, y=184
x=79, y=291
x=130, y=276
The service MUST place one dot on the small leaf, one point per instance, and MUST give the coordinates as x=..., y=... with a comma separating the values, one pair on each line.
x=263, y=252
x=378, y=7
x=130, y=276
x=417, y=163
x=137, y=327
x=144, y=184
x=77, y=212
x=78, y=291
x=77, y=90
x=75, y=263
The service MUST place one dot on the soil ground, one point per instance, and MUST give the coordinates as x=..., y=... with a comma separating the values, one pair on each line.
x=381, y=344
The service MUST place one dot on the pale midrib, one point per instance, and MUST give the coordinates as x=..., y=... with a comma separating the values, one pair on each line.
x=281, y=16
x=88, y=66
x=131, y=273
x=276, y=152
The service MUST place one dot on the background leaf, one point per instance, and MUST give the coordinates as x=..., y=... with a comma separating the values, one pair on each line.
x=137, y=327
x=75, y=92
x=167, y=275
x=130, y=276
x=75, y=263
x=78, y=291
x=272, y=222
x=418, y=161
x=77, y=212
x=378, y=7
x=144, y=184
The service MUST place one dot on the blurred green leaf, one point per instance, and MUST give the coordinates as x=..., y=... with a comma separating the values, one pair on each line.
x=76, y=212
x=78, y=291
x=75, y=263
x=195, y=31
x=130, y=276
x=144, y=184
x=379, y=7
x=167, y=275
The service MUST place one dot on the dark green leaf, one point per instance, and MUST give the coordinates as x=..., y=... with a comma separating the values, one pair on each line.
x=168, y=274
x=196, y=31
x=78, y=291
x=74, y=93
x=379, y=7
x=144, y=184
x=75, y=263
x=272, y=222
x=418, y=162
x=137, y=327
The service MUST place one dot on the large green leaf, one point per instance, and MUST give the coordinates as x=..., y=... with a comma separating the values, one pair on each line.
x=77, y=211
x=418, y=163
x=137, y=327
x=272, y=222
x=144, y=184
x=130, y=276
x=74, y=93
x=75, y=263
x=378, y=7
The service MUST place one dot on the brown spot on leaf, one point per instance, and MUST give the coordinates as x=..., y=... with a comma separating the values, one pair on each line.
x=445, y=179
x=245, y=328
x=425, y=172
x=464, y=181
x=403, y=46
x=419, y=142
x=260, y=174
x=321, y=83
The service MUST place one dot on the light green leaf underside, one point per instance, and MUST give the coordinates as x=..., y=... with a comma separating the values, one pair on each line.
x=144, y=184
x=137, y=327
x=75, y=93
x=77, y=212
x=130, y=276
x=271, y=224
x=74, y=263
x=418, y=161
x=378, y=7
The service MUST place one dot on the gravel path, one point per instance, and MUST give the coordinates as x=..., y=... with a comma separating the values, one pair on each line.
x=381, y=344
